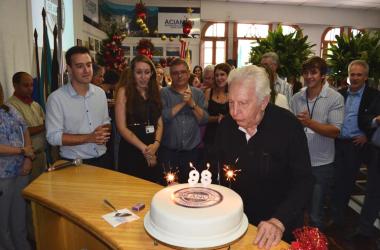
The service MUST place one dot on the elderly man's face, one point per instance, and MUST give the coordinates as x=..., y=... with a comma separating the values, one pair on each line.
x=208, y=78
x=245, y=107
x=268, y=62
x=358, y=76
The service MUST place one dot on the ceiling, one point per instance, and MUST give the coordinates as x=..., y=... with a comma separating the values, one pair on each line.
x=359, y=4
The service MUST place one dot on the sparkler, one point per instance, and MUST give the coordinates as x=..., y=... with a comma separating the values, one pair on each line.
x=230, y=173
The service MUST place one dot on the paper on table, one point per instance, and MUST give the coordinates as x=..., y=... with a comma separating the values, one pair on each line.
x=116, y=221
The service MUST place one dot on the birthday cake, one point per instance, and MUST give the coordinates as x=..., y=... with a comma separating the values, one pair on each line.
x=196, y=216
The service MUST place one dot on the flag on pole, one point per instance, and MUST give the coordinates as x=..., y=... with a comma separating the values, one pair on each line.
x=36, y=70
x=55, y=64
x=182, y=52
x=46, y=64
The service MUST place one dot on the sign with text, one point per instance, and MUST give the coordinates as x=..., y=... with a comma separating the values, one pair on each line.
x=171, y=23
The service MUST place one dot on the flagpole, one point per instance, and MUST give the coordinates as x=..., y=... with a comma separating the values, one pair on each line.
x=37, y=57
x=60, y=52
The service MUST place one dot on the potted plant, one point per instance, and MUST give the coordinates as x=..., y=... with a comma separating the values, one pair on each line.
x=364, y=46
x=292, y=50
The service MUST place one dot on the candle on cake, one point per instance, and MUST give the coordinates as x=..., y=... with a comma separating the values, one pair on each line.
x=193, y=175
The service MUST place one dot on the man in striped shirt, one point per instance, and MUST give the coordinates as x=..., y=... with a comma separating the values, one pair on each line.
x=320, y=109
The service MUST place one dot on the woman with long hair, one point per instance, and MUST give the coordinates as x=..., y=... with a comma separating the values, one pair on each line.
x=198, y=71
x=138, y=120
x=217, y=99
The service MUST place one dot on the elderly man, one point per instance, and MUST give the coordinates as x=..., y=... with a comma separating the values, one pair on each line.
x=275, y=181
x=272, y=61
x=77, y=115
x=183, y=112
x=208, y=77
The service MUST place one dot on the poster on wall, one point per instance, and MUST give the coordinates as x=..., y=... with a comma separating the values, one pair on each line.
x=91, y=11
x=170, y=20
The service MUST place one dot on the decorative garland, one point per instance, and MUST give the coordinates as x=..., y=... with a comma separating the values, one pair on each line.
x=145, y=47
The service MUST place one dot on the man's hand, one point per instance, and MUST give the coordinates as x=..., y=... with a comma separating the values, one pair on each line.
x=26, y=167
x=101, y=134
x=188, y=98
x=360, y=140
x=304, y=118
x=269, y=233
x=377, y=119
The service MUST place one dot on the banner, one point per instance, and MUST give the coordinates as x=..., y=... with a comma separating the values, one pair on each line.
x=171, y=23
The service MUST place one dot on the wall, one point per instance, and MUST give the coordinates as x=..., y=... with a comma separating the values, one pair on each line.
x=16, y=41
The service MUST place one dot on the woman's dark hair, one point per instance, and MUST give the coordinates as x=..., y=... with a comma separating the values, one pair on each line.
x=191, y=78
x=129, y=83
x=198, y=67
x=225, y=67
x=111, y=77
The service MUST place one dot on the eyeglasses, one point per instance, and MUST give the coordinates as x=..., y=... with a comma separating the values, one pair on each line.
x=178, y=73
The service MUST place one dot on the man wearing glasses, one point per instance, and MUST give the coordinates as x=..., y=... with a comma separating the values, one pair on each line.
x=183, y=111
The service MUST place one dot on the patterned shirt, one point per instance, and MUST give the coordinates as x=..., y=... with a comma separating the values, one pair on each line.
x=327, y=108
x=12, y=129
x=282, y=87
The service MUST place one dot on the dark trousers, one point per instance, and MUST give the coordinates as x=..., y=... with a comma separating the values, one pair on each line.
x=348, y=159
x=101, y=161
x=179, y=159
x=371, y=206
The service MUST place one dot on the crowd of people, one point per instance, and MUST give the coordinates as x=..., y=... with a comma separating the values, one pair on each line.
x=294, y=148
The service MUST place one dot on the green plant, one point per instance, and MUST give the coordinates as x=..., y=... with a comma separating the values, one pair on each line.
x=292, y=50
x=364, y=46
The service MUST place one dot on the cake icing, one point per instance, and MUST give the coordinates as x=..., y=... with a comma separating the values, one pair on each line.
x=196, y=216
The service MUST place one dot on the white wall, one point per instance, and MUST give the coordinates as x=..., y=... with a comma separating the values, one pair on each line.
x=16, y=41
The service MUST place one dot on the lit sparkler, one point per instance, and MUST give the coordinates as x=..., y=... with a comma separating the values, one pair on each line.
x=230, y=173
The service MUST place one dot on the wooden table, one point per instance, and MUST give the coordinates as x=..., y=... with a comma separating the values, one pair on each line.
x=68, y=204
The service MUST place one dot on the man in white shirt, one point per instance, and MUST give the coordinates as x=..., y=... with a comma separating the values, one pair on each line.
x=77, y=115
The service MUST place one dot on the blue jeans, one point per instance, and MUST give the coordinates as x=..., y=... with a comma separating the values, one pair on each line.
x=323, y=175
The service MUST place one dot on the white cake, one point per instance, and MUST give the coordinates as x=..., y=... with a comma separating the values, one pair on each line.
x=196, y=216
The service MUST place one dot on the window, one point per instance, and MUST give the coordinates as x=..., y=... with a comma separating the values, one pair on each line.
x=287, y=29
x=247, y=36
x=214, y=44
x=328, y=39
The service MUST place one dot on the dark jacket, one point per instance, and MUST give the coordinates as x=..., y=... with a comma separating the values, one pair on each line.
x=369, y=98
x=275, y=178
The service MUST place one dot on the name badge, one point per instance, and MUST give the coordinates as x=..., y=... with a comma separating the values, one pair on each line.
x=149, y=129
x=308, y=131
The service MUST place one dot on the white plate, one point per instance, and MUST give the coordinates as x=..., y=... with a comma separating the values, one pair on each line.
x=177, y=241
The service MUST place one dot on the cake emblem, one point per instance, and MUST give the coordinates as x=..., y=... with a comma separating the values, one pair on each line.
x=197, y=197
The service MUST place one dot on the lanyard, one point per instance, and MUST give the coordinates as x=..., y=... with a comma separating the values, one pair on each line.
x=307, y=104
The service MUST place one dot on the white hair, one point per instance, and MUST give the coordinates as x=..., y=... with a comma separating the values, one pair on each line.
x=253, y=76
x=362, y=63
x=209, y=67
x=273, y=56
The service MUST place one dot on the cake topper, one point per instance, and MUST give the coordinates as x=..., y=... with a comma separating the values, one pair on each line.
x=194, y=175
x=231, y=173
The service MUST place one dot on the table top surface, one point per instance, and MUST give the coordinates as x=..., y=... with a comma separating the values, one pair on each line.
x=77, y=193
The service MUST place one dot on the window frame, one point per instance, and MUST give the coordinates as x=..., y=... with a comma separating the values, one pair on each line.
x=213, y=39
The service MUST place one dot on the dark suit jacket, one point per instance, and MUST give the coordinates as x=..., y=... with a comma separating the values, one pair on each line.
x=367, y=103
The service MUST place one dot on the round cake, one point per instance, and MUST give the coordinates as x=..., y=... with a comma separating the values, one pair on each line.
x=196, y=216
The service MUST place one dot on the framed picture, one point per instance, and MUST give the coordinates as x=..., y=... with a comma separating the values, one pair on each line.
x=86, y=44
x=91, y=43
x=97, y=45
x=79, y=42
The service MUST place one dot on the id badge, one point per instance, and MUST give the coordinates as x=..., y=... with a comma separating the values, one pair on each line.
x=149, y=129
x=309, y=131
